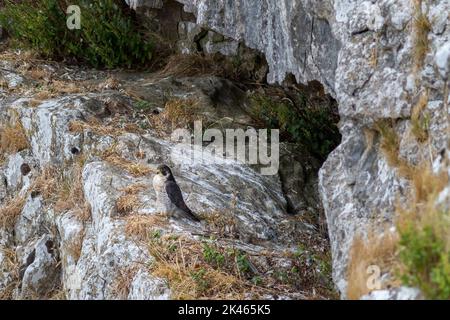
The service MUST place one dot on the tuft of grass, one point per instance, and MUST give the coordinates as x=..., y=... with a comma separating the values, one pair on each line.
x=93, y=125
x=63, y=190
x=129, y=201
x=75, y=247
x=421, y=29
x=10, y=211
x=189, y=276
x=390, y=146
x=12, y=265
x=122, y=283
x=373, y=250
x=108, y=37
x=13, y=139
x=190, y=65
x=420, y=121
x=136, y=169
x=178, y=113
x=142, y=227
x=222, y=224
x=70, y=194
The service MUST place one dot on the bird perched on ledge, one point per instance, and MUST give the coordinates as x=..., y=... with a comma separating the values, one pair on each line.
x=169, y=196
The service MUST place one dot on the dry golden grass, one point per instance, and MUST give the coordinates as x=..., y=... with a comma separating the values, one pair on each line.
x=180, y=262
x=57, y=294
x=139, y=227
x=427, y=184
x=373, y=60
x=46, y=184
x=70, y=194
x=10, y=211
x=64, y=190
x=95, y=126
x=178, y=113
x=419, y=120
x=127, y=204
x=67, y=87
x=421, y=29
x=75, y=247
x=390, y=146
x=43, y=94
x=221, y=224
x=183, y=65
x=12, y=139
x=421, y=209
x=136, y=169
x=134, y=189
x=38, y=73
x=11, y=264
x=122, y=283
x=375, y=250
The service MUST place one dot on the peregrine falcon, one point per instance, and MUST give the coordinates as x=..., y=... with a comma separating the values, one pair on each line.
x=169, y=195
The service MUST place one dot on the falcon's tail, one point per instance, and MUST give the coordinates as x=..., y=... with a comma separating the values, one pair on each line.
x=192, y=216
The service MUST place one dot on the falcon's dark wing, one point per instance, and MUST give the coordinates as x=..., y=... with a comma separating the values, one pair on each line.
x=175, y=195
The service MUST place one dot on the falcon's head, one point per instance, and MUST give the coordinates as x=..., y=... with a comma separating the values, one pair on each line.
x=165, y=172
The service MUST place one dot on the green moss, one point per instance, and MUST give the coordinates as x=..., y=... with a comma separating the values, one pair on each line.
x=108, y=36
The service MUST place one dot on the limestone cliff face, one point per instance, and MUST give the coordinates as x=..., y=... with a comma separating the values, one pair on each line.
x=365, y=53
x=78, y=213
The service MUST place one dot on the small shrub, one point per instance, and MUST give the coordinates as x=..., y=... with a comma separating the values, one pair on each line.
x=424, y=243
x=312, y=126
x=108, y=36
x=243, y=263
x=213, y=256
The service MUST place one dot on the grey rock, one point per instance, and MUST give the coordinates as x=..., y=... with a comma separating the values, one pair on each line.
x=41, y=275
x=402, y=293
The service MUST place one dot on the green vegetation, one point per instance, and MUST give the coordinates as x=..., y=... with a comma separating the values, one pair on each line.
x=314, y=126
x=426, y=262
x=212, y=255
x=424, y=245
x=108, y=36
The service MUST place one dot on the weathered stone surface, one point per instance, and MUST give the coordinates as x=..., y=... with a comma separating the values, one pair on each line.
x=90, y=256
x=363, y=53
x=41, y=274
x=401, y=293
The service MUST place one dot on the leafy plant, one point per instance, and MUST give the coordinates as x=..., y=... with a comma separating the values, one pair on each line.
x=425, y=259
x=108, y=36
x=201, y=280
x=242, y=262
x=212, y=255
x=312, y=126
